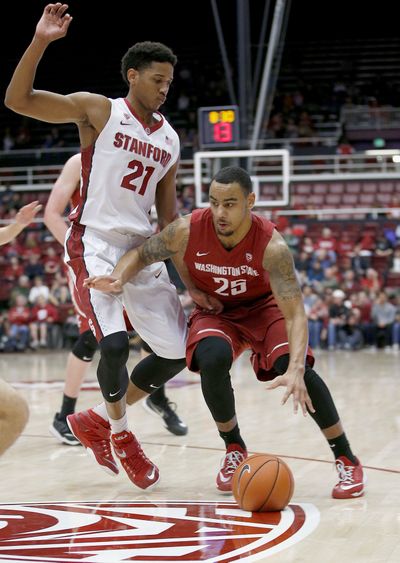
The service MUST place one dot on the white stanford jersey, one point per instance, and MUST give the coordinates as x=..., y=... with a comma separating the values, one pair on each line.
x=121, y=170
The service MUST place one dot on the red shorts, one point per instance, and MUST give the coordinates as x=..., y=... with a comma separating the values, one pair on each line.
x=260, y=328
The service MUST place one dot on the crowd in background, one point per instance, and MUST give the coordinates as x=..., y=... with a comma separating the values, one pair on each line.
x=343, y=275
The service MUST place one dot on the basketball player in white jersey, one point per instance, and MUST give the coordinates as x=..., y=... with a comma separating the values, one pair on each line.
x=129, y=161
x=65, y=193
x=14, y=410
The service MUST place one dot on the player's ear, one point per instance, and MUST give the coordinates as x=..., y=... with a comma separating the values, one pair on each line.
x=132, y=75
x=251, y=199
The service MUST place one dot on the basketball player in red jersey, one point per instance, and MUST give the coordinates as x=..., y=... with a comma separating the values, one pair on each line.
x=14, y=410
x=130, y=157
x=239, y=257
x=66, y=191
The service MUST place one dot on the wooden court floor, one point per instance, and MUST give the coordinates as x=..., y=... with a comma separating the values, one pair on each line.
x=57, y=505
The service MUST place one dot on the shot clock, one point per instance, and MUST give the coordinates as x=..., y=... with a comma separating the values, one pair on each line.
x=219, y=126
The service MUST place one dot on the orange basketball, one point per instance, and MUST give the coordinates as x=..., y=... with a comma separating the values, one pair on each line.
x=262, y=483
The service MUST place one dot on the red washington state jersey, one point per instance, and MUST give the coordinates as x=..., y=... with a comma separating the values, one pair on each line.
x=236, y=277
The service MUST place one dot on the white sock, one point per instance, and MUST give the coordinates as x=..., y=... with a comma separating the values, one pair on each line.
x=101, y=410
x=119, y=425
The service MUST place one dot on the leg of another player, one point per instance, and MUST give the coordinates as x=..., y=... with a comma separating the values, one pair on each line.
x=351, y=475
x=158, y=404
x=78, y=363
x=14, y=414
x=213, y=358
x=75, y=374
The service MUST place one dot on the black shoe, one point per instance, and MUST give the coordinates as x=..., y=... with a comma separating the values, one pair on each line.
x=61, y=431
x=166, y=410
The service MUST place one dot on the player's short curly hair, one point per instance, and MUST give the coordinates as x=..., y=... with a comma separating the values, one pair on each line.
x=141, y=55
x=234, y=174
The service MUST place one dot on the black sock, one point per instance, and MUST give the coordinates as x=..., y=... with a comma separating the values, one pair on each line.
x=67, y=407
x=158, y=396
x=233, y=437
x=340, y=446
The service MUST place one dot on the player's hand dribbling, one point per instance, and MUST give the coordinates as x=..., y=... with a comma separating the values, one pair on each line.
x=107, y=284
x=295, y=386
x=54, y=22
x=205, y=301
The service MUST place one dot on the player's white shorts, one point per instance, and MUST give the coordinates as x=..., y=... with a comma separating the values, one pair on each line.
x=150, y=299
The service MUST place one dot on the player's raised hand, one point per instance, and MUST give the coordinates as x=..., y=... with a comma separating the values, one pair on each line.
x=27, y=213
x=294, y=386
x=54, y=22
x=205, y=301
x=107, y=284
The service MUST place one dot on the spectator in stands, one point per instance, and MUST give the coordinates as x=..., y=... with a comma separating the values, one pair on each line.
x=337, y=317
x=23, y=287
x=396, y=325
x=34, y=267
x=291, y=239
x=53, y=139
x=345, y=245
x=383, y=246
x=14, y=269
x=316, y=273
x=51, y=261
x=383, y=317
x=395, y=267
x=344, y=146
x=14, y=248
x=317, y=322
x=8, y=140
x=349, y=335
x=307, y=246
x=360, y=259
x=331, y=278
x=370, y=281
x=23, y=138
x=43, y=316
x=39, y=289
x=327, y=242
x=19, y=318
x=31, y=245
x=350, y=283
x=302, y=261
x=363, y=303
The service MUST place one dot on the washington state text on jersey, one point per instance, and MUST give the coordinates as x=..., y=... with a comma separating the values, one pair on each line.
x=227, y=270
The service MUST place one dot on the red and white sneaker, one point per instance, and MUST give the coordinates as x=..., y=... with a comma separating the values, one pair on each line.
x=94, y=433
x=351, y=479
x=140, y=470
x=235, y=454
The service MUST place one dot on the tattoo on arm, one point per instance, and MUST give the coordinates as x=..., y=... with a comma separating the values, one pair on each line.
x=282, y=275
x=162, y=246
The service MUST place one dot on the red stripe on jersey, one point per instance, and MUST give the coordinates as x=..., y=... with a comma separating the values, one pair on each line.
x=76, y=262
x=80, y=196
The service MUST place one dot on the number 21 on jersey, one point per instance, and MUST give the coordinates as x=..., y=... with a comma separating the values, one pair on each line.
x=138, y=171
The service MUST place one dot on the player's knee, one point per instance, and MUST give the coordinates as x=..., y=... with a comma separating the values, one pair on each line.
x=281, y=364
x=153, y=371
x=213, y=355
x=85, y=347
x=115, y=349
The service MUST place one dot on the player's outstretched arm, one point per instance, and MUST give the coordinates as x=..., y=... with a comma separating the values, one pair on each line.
x=21, y=96
x=24, y=216
x=170, y=241
x=278, y=261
